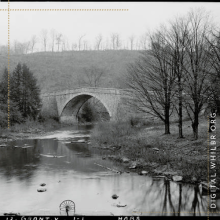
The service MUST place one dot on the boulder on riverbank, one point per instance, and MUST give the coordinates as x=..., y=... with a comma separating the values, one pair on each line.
x=125, y=160
x=143, y=172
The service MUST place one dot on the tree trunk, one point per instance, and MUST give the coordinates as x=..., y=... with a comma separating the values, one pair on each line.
x=195, y=126
x=167, y=127
x=180, y=109
x=180, y=123
x=167, y=120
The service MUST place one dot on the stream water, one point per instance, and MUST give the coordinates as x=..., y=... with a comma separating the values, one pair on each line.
x=67, y=167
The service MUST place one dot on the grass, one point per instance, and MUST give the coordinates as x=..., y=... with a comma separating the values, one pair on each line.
x=35, y=126
x=187, y=157
x=61, y=70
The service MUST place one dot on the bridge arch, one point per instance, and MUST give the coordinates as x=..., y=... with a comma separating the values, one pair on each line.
x=113, y=99
x=74, y=103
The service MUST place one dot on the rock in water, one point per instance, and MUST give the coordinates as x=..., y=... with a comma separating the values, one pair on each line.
x=115, y=196
x=42, y=190
x=118, y=205
x=156, y=149
x=43, y=184
x=177, y=178
x=3, y=145
x=81, y=141
x=12, y=214
x=143, y=172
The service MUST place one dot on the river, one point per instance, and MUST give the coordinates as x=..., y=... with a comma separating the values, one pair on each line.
x=68, y=169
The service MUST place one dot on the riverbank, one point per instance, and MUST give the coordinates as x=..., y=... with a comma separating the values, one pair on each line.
x=29, y=129
x=148, y=151
x=144, y=150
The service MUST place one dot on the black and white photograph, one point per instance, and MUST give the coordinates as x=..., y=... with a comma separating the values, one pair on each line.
x=109, y=109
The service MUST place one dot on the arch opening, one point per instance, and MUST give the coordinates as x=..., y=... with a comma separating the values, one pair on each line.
x=84, y=108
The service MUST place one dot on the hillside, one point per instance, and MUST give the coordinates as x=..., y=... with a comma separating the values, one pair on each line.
x=61, y=70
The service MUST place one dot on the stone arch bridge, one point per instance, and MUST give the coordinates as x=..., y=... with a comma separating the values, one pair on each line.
x=66, y=104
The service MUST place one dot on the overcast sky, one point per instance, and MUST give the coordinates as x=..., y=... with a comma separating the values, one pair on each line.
x=140, y=17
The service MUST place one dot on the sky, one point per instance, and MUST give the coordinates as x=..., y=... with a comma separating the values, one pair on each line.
x=137, y=20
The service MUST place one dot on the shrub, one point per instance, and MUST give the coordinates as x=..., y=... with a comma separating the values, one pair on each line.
x=48, y=115
x=32, y=125
x=113, y=133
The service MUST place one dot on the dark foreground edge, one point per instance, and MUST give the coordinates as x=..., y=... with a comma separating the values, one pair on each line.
x=105, y=217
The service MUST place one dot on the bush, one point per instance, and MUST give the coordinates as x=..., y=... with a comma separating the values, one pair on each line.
x=48, y=115
x=3, y=119
x=142, y=122
x=114, y=133
x=32, y=125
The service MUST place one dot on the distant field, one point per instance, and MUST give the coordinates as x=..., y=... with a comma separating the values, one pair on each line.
x=61, y=70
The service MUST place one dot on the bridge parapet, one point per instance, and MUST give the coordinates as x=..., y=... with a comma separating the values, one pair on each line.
x=89, y=90
x=67, y=103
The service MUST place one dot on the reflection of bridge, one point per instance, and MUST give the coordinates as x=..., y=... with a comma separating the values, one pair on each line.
x=68, y=103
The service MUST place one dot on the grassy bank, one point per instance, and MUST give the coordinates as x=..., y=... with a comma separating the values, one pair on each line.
x=30, y=126
x=147, y=148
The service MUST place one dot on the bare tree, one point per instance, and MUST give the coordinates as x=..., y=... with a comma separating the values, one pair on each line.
x=85, y=45
x=143, y=41
x=44, y=38
x=198, y=66
x=131, y=39
x=113, y=41
x=20, y=48
x=214, y=42
x=65, y=43
x=107, y=44
x=152, y=80
x=58, y=40
x=74, y=46
x=118, y=41
x=53, y=38
x=175, y=37
x=33, y=42
x=80, y=40
x=92, y=76
x=98, y=42
x=26, y=46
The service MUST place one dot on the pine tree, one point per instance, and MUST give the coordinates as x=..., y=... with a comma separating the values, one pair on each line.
x=25, y=91
x=15, y=115
x=4, y=87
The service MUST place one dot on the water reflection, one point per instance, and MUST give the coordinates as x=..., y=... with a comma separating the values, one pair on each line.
x=75, y=176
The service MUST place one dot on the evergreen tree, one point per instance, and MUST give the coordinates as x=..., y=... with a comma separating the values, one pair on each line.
x=25, y=92
x=14, y=113
x=4, y=87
